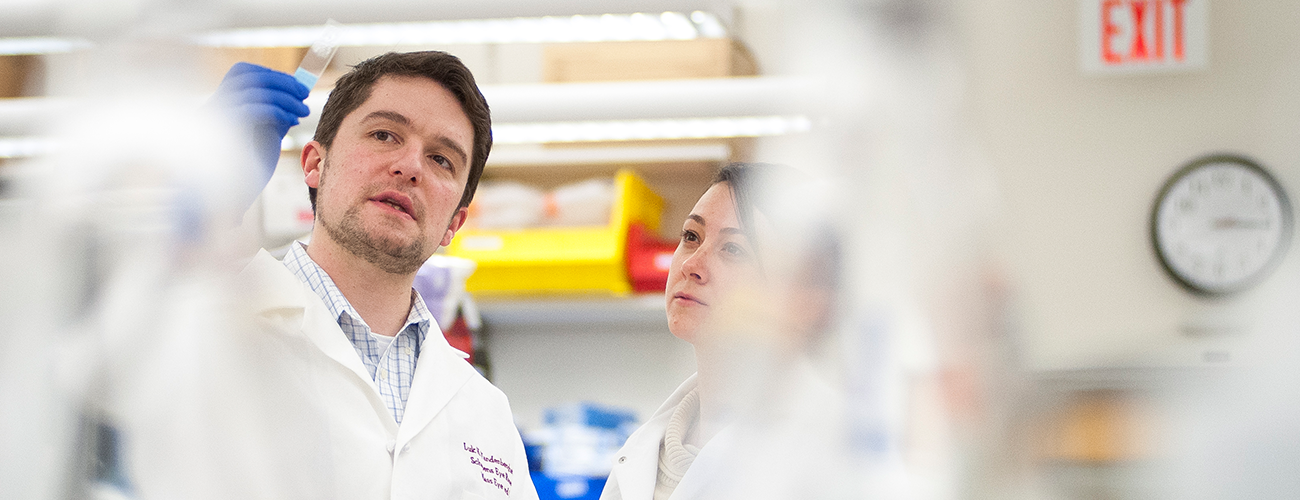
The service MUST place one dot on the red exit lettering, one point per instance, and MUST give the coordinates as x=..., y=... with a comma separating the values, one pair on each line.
x=1136, y=31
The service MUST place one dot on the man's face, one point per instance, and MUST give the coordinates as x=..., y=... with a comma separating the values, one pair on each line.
x=389, y=187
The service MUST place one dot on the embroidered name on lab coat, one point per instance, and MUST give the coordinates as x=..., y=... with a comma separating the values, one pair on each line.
x=495, y=471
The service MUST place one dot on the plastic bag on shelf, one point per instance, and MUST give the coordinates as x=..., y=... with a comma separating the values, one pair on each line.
x=507, y=205
x=585, y=203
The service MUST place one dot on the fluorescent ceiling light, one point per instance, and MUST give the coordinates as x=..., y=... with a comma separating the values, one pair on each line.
x=638, y=130
x=653, y=99
x=602, y=28
x=24, y=116
x=31, y=45
x=539, y=155
x=25, y=147
x=626, y=130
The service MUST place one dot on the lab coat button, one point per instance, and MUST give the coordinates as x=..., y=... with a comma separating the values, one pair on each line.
x=406, y=448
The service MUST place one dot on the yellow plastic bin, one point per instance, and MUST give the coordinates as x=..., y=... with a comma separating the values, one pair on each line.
x=561, y=260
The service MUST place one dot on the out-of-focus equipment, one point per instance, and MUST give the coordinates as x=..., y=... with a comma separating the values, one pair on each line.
x=441, y=283
x=119, y=252
x=576, y=448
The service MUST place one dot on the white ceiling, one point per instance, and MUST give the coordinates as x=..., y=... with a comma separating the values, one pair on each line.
x=91, y=18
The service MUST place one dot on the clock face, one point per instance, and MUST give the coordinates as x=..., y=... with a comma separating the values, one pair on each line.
x=1220, y=224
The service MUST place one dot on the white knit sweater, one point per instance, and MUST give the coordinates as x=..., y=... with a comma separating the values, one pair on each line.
x=675, y=451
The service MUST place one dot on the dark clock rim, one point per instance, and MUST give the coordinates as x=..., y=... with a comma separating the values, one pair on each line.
x=1279, y=251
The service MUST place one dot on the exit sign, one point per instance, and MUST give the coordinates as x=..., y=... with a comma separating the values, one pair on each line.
x=1132, y=36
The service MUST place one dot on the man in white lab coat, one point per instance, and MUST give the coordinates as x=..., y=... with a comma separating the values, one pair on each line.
x=396, y=158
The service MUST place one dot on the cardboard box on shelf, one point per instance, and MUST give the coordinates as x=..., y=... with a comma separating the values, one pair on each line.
x=219, y=60
x=658, y=60
x=15, y=73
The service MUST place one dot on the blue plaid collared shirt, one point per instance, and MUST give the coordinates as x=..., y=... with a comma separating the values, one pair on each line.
x=393, y=368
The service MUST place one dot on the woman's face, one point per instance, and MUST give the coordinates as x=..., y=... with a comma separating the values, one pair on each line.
x=714, y=259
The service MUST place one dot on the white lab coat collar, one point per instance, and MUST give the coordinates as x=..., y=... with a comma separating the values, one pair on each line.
x=634, y=475
x=638, y=463
x=276, y=291
x=441, y=370
x=277, y=295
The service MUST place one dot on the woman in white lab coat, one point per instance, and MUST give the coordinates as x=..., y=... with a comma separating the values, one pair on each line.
x=728, y=297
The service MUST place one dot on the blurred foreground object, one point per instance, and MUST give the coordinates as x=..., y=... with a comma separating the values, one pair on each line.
x=1236, y=433
x=118, y=252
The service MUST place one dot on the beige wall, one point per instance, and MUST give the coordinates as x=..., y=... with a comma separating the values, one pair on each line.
x=1080, y=158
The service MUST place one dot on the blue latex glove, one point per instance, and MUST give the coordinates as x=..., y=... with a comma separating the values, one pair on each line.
x=267, y=102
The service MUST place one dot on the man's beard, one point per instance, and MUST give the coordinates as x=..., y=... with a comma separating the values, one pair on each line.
x=386, y=254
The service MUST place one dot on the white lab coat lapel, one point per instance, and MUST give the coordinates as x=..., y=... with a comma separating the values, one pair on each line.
x=639, y=469
x=274, y=287
x=440, y=372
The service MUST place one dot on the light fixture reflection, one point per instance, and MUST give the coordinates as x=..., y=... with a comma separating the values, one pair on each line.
x=35, y=45
x=25, y=147
x=549, y=29
x=639, y=130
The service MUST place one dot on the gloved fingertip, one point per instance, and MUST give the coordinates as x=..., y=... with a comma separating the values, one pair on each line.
x=281, y=116
x=242, y=67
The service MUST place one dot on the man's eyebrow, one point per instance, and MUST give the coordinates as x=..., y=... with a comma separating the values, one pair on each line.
x=388, y=115
x=450, y=144
x=399, y=118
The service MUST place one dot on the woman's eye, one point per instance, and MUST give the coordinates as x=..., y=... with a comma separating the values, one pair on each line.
x=690, y=236
x=733, y=250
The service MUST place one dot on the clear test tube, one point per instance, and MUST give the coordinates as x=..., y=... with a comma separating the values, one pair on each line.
x=319, y=55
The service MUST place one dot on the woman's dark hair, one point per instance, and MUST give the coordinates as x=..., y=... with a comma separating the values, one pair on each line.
x=354, y=88
x=764, y=187
x=752, y=189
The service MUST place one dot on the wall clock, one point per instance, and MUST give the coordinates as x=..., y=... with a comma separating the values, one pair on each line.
x=1220, y=224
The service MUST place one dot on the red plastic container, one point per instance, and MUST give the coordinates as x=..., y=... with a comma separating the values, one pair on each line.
x=648, y=258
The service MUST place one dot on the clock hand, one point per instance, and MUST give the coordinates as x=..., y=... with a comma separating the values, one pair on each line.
x=1239, y=223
